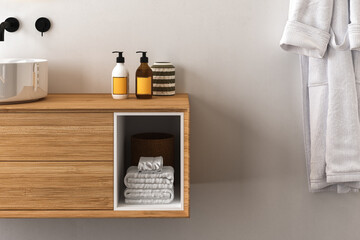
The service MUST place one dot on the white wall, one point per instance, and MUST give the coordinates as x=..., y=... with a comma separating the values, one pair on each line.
x=247, y=161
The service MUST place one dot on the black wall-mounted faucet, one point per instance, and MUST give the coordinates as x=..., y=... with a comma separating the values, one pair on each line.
x=10, y=24
x=43, y=25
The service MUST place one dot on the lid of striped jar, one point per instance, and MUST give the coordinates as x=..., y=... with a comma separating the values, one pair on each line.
x=163, y=64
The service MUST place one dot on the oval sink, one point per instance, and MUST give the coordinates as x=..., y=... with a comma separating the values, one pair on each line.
x=23, y=80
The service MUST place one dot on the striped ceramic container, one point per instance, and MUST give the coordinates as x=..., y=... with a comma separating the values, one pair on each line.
x=163, y=79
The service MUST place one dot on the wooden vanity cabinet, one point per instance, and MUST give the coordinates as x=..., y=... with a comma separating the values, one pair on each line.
x=57, y=156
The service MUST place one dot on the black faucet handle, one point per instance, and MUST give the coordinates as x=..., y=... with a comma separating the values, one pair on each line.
x=43, y=25
x=12, y=24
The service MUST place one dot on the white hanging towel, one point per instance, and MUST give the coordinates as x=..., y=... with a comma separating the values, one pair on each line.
x=326, y=33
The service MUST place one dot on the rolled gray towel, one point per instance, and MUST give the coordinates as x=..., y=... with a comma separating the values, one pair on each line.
x=150, y=163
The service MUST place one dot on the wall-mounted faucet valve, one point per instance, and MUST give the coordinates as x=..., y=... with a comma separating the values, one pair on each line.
x=43, y=25
x=10, y=24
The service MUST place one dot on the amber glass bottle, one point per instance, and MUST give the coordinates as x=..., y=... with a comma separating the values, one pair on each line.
x=144, y=78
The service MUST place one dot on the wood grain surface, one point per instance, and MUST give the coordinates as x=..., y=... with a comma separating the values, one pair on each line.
x=56, y=137
x=100, y=103
x=56, y=185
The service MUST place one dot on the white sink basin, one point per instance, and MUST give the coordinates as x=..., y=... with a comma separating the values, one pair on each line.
x=23, y=80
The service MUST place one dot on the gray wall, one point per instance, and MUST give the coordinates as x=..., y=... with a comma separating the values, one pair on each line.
x=248, y=176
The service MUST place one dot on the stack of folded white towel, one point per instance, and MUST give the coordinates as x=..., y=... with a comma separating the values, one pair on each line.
x=150, y=182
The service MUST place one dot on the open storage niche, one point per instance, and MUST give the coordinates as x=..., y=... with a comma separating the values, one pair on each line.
x=127, y=124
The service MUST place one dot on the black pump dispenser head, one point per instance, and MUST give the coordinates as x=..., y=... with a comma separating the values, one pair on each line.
x=144, y=58
x=120, y=58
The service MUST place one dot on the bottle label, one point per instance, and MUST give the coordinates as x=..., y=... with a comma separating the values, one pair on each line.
x=144, y=86
x=119, y=85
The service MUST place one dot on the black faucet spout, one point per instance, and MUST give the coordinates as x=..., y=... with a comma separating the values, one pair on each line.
x=3, y=27
x=10, y=24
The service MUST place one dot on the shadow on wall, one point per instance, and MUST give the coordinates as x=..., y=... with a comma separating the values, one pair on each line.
x=246, y=131
x=68, y=73
x=226, y=147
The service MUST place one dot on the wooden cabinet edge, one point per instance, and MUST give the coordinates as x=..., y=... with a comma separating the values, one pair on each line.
x=100, y=103
x=93, y=214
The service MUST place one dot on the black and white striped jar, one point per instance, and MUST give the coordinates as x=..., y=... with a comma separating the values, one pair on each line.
x=163, y=79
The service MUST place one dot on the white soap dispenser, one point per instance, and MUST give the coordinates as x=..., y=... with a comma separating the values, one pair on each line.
x=120, y=79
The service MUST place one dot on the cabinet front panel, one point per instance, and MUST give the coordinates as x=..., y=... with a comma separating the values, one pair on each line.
x=56, y=137
x=56, y=185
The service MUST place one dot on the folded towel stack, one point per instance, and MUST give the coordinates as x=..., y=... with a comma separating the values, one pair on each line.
x=150, y=182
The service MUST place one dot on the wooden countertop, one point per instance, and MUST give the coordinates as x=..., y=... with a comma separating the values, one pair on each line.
x=100, y=103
